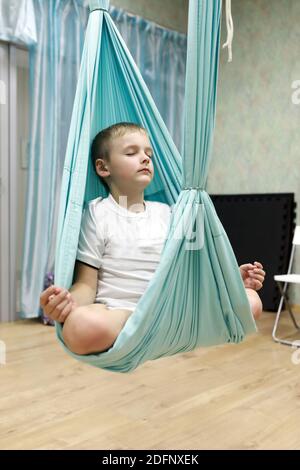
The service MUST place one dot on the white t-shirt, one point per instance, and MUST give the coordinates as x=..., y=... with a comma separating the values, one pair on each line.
x=124, y=246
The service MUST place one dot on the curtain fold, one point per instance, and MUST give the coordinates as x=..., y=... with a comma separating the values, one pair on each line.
x=54, y=70
x=196, y=297
x=17, y=22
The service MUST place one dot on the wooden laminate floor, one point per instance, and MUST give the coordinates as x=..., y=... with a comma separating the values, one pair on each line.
x=243, y=396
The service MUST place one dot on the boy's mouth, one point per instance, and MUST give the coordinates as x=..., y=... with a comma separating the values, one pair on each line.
x=146, y=170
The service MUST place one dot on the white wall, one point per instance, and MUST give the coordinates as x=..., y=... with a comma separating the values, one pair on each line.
x=171, y=14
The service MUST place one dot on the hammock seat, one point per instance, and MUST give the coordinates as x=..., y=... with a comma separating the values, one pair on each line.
x=196, y=297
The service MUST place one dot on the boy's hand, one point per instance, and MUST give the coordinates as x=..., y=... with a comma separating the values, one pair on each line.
x=57, y=303
x=253, y=275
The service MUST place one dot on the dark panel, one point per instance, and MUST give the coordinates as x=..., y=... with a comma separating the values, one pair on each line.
x=260, y=228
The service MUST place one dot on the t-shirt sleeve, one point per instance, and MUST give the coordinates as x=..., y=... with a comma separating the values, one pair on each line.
x=91, y=242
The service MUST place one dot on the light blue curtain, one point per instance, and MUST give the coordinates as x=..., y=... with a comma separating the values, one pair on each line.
x=54, y=69
x=196, y=297
x=17, y=22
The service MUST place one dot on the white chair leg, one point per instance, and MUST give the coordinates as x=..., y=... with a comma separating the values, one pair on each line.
x=274, y=333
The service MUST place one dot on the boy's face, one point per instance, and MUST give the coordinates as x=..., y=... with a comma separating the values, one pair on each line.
x=130, y=155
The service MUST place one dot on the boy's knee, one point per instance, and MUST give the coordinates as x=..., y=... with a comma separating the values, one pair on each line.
x=255, y=303
x=257, y=309
x=79, y=331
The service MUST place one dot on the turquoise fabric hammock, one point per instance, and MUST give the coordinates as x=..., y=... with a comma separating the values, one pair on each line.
x=196, y=297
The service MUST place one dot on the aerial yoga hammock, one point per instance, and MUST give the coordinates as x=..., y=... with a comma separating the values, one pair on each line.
x=196, y=297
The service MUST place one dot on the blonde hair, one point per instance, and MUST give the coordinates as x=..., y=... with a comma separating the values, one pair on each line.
x=101, y=143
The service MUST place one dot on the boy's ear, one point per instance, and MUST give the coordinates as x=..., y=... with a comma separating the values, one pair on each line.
x=101, y=167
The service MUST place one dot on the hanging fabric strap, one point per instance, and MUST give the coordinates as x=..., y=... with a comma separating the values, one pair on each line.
x=99, y=5
x=230, y=30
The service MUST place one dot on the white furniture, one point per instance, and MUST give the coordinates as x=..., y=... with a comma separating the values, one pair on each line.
x=283, y=281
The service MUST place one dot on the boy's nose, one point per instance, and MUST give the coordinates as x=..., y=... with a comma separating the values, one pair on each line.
x=146, y=158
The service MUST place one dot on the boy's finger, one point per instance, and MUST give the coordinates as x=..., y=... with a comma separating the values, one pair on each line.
x=259, y=272
x=66, y=311
x=257, y=277
x=55, y=310
x=259, y=265
x=59, y=308
x=58, y=290
x=56, y=300
x=247, y=266
x=255, y=284
x=45, y=295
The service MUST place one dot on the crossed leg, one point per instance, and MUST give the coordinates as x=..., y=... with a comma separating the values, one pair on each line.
x=93, y=328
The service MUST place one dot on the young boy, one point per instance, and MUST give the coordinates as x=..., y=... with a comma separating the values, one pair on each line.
x=119, y=248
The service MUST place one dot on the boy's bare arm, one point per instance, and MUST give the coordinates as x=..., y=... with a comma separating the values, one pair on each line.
x=84, y=287
x=58, y=303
